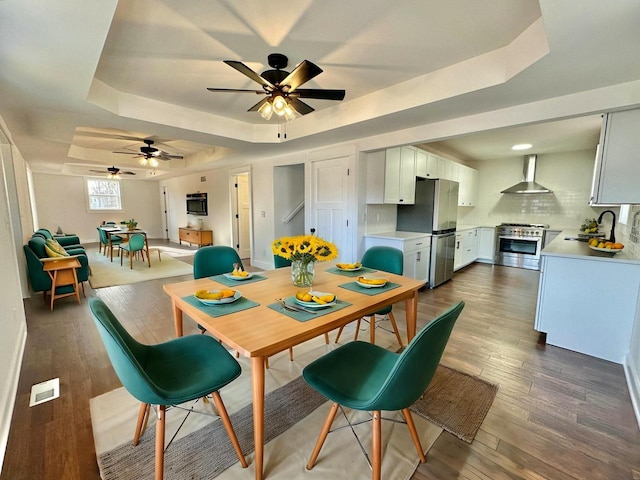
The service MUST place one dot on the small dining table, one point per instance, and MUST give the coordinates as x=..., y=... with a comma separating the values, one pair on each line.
x=262, y=330
x=120, y=231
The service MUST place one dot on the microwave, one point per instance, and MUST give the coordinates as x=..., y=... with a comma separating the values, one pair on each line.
x=197, y=203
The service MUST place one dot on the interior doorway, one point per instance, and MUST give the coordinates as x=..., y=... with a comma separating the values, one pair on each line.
x=241, y=213
x=288, y=200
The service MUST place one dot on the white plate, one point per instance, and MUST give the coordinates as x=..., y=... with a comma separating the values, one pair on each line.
x=231, y=276
x=369, y=285
x=349, y=269
x=222, y=301
x=607, y=250
x=314, y=304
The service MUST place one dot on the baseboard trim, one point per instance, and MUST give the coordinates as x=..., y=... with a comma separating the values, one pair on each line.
x=633, y=384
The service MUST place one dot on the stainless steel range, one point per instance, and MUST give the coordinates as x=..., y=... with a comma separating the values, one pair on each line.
x=519, y=244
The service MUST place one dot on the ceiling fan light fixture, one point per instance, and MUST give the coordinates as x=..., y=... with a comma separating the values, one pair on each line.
x=279, y=104
x=143, y=161
x=266, y=110
x=153, y=162
x=289, y=113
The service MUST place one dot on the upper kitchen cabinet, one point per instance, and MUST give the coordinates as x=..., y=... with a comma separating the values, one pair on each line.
x=468, y=180
x=617, y=169
x=426, y=164
x=391, y=176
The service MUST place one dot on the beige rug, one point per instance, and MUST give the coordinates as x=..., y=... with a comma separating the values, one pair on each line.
x=105, y=273
x=113, y=419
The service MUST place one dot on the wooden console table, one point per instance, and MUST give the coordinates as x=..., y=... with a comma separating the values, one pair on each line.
x=193, y=235
x=63, y=272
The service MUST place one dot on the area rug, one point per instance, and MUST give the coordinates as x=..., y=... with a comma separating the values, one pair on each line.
x=456, y=401
x=294, y=415
x=105, y=273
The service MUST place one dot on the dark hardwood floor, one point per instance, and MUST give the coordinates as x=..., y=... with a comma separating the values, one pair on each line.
x=557, y=414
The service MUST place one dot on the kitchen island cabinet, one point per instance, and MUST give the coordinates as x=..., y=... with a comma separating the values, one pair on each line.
x=587, y=300
x=416, y=248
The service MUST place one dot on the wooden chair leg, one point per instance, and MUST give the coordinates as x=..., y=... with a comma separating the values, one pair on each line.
x=339, y=333
x=291, y=354
x=143, y=416
x=372, y=329
x=326, y=338
x=224, y=416
x=160, y=442
x=414, y=434
x=266, y=363
x=395, y=328
x=376, y=445
x=323, y=435
x=355, y=336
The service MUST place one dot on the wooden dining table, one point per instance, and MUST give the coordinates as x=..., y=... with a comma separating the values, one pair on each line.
x=261, y=331
x=126, y=232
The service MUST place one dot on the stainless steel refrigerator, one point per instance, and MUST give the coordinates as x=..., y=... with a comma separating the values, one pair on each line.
x=435, y=211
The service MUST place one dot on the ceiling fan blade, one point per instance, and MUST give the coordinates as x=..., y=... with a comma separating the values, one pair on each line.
x=300, y=107
x=304, y=72
x=257, y=106
x=100, y=171
x=242, y=68
x=133, y=154
x=234, y=90
x=126, y=173
x=167, y=156
x=320, y=94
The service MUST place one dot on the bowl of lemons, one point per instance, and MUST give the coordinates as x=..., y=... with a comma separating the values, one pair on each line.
x=601, y=245
x=315, y=299
x=217, y=297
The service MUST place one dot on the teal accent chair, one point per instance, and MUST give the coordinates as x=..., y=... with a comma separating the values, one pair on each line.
x=386, y=259
x=167, y=374
x=40, y=280
x=104, y=241
x=364, y=376
x=214, y=260
x=279, y=262
x=135, y=244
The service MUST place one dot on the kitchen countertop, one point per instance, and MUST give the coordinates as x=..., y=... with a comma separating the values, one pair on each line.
x=397, y=235
x=560, y=247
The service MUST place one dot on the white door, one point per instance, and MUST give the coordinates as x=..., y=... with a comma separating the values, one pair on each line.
x=242, y=213
x=329, y=207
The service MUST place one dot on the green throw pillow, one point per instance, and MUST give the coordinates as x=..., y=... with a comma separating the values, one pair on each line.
x=54, y=249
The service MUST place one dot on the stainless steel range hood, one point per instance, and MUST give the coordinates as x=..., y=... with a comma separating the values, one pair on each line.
x=528, y=183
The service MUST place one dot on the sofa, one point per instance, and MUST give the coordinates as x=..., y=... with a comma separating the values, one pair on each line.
x=66, y=241
x=40, y=280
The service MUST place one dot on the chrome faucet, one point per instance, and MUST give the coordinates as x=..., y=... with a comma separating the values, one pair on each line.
x=612, y=236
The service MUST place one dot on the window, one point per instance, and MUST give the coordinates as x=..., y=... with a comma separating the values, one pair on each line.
x=104, y=194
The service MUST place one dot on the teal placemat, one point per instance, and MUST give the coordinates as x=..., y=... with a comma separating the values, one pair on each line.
x=304, y=316
x=220, y=310
x=369, y=291
x=236, y=283
x=355, y=273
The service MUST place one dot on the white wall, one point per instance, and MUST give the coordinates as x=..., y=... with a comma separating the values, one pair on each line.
x=61, y=200
x=567, y=174
x=13, y=327
x=288, y=193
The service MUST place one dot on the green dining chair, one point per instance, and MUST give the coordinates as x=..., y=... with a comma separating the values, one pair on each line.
x=104, y=241
x=135, y=244
x=281, y=262
x=386, y=259
x=364, y=376
x=167, y=374
x=214, y=260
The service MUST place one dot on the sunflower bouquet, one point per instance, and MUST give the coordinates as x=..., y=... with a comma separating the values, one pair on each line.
x=303, y=251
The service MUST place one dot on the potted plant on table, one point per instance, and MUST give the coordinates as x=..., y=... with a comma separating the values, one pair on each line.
x=304, y=251
x=131, y=224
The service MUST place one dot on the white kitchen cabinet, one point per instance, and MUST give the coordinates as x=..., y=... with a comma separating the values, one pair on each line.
x=466, y=251
x=580, y=312
x=617, y=170
x=486, y=244
x=468, y=180
x=416, y=249
x=391, y=176
x=426, y=164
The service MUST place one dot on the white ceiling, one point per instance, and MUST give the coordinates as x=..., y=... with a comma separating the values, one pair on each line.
x=80, y=80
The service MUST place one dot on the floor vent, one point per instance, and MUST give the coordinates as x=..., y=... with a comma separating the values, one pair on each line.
x=45, y=391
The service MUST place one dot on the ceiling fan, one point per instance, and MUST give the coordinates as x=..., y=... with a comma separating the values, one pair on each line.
x=281, y=87
x=113, y=172
x=150, y=154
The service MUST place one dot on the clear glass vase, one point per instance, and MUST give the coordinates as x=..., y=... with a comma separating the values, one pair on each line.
x=302, y=273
